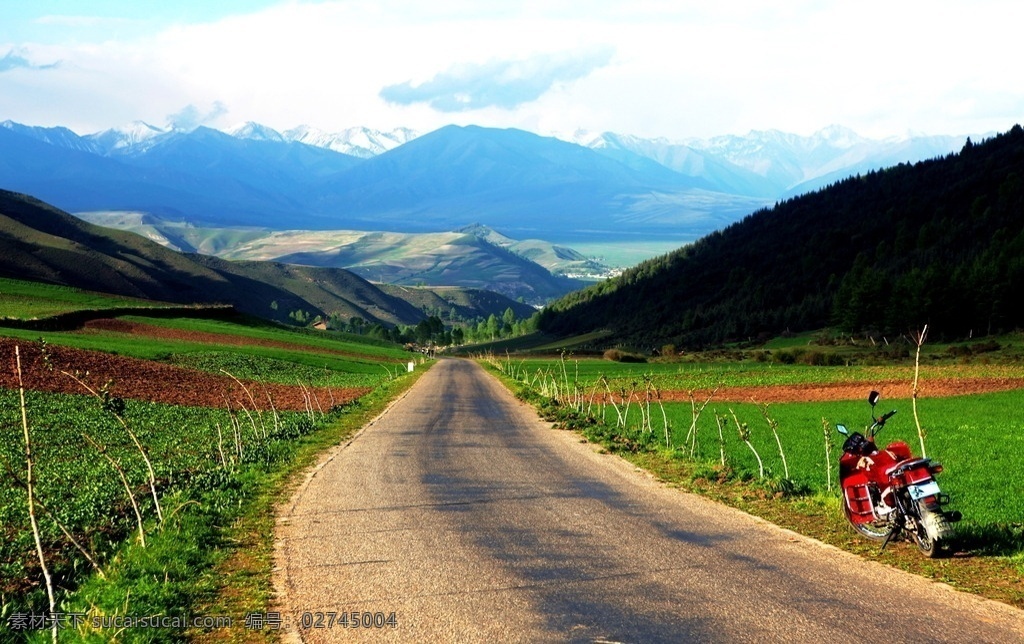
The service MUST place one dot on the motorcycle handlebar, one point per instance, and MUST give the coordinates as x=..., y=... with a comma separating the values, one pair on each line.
x=880, y=422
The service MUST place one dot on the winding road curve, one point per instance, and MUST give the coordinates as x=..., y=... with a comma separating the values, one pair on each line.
x=462, y=513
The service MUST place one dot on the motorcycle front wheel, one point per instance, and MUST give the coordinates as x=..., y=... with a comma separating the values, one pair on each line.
x=875, y=530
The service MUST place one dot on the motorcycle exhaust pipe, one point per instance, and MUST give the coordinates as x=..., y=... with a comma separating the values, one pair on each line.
x=953, y=516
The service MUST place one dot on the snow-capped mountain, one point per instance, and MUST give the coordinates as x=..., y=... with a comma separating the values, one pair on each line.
x=58, y=136
x=255, y=132
x=799, y=163
x=775, y=163
x=598, y=185
x=135, y=137
x=355, y=141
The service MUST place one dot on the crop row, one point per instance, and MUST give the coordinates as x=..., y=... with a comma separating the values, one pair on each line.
x=81, y=449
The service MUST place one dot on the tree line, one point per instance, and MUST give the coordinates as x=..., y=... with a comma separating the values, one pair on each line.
x=433, y=330
x=938, y=242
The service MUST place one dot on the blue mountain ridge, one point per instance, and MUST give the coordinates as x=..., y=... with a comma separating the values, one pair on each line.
x=520, y=183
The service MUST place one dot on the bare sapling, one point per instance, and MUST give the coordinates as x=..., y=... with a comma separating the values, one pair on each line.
x=252, y=400
x=235, y=429
x=307, y=400
x=774, y=426
x=721, y=421
x=316, y=400
x=252, y=421
x=918, y=340
x=620, y=421
x=695, y=412
x=744, y=432
x=648, y=396
x=30, y=491
x=220, y=446
x=664, y=420
x=124, y=481
x=104, y=397
x=273, y=407
x=827, y=427
x=628, y=397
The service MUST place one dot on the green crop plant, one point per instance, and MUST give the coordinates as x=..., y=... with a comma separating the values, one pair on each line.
x=115, y=407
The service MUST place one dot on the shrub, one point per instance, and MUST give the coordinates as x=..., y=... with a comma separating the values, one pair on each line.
x=617, y=355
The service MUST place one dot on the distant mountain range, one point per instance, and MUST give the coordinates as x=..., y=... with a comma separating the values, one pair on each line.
x=606, y=186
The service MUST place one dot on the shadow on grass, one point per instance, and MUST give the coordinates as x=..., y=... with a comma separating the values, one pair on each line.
x=992, y=540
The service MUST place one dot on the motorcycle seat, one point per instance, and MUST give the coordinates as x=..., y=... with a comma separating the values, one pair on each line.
x=904, y=466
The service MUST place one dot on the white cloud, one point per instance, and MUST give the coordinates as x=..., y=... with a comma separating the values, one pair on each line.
x=498, y=83
x=680, y=68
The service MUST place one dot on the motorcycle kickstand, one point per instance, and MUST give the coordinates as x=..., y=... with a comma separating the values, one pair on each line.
x=892, y=535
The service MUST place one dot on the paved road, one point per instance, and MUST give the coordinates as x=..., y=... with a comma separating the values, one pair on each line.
x=471, y=520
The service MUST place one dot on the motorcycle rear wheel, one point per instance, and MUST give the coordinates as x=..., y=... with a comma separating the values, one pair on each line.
x=933, y=548
x=875, y=530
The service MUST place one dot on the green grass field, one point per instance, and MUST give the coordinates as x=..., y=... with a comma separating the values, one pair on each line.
x=979, y=440
x=22, y=300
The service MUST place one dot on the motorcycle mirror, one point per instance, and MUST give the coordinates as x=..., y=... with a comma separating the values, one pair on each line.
x=873, y=398
x=842, y=429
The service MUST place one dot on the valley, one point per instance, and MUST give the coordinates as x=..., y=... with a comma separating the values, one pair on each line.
x=211, y=363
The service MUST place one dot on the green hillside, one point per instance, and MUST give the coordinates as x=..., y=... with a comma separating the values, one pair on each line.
x=938, y=242
x=474, y=257
x=40, y=243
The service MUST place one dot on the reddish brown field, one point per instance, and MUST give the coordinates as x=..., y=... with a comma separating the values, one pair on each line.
x=892, y=390
x=152, y=381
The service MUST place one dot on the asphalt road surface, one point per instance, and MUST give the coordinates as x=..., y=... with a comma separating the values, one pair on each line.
x=468, y=519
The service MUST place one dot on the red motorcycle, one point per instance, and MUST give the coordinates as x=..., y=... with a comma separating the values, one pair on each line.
x=888, y=493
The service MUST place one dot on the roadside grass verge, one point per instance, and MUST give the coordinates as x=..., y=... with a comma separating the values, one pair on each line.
x=976, y=437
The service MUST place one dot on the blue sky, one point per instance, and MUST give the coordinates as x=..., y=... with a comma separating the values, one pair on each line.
x=652, y=68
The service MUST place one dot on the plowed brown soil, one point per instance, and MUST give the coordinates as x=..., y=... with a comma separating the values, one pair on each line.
x=152, y=381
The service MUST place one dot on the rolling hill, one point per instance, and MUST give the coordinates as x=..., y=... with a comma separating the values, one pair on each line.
x=474, y=257
x=40, y=243
x=938, y=242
